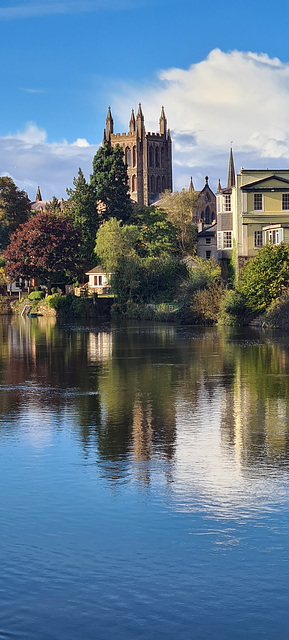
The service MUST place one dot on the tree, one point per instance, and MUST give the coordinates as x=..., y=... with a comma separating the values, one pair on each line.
x=110, y=183
x=157, y=236
x=179, y=207
x=44, y=247
x=266, y=277
x=145, y=280
x=81, y=207
x=14, y=209
x=114, y=241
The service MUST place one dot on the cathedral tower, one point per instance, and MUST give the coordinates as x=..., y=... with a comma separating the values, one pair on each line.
x=148, y=156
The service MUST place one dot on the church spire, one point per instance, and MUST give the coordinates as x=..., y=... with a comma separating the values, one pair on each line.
x=109, y=125
x=191, y=187
x=132, y=122
x=231, y=172
x=140, y=122
x=38, y=195
x=104, y=138
x=163, y=123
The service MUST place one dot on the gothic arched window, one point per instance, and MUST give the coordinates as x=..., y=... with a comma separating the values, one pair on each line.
x=158, y=185
x=133, y=183
x=153, y=185
x=134, y=156
x=151, y=157
x=207, y=216
x=157, y=157
x=162, y=157
x=128, y=157
x=163, y=183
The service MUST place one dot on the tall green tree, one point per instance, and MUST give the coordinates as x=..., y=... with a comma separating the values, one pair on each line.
x=109, y=180
x=179, y=207
x=157, y=235
x=81, y=207
x=114, y=241
x=14, y=209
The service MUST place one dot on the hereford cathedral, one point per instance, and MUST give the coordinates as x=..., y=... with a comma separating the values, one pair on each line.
x=148, y=156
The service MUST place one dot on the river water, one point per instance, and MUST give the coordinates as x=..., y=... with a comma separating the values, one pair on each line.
x=144, y=482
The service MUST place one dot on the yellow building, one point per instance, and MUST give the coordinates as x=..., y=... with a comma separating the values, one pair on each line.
x=251, y=211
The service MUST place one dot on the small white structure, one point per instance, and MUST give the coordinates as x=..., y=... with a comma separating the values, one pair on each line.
x=18, y=286
x=98, y=280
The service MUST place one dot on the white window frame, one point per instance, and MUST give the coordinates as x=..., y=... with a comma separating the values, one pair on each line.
x=285, y=195
x=227, y=202
x=258, y=239
x=273, y=236
x=219, y=204
x=255, y=205
x=227, y=239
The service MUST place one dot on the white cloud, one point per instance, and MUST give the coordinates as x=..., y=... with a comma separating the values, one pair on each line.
x=235, y=96
x=31, y=161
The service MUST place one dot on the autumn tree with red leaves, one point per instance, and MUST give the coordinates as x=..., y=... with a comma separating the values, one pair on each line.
x=45, y=247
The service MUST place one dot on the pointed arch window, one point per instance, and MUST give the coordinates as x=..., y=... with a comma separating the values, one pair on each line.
x=134, y=156
x=207, y=215
x=162, y=156
x=151, y=156
x=157, y=157
x=163, y=183
x=153, y=185
x=133, y=182
x=158, y=185
x=128, y=156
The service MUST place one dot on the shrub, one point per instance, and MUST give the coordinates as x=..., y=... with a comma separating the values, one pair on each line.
x=277, y=315
x=205, y=306
x=36, y=295
x=234, y=309
x=266, y=277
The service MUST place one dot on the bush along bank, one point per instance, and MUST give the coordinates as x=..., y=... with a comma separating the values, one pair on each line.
x=64, y=306
x=71, y=306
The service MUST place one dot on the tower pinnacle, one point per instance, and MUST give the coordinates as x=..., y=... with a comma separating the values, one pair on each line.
x=140, y=122
x=231, y=171
x=132, y=122
x=109, y=125
x=163, y=123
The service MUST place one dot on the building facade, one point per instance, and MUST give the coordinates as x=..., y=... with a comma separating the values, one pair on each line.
x=205, y=207
x=207, y=241
x=251, y=211
x=148, y=156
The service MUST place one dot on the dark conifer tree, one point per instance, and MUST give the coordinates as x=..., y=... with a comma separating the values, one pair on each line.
x=110, y=183
x=14, y=209
x=81, y=207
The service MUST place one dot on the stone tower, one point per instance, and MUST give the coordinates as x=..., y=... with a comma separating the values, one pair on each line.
x=148, y=156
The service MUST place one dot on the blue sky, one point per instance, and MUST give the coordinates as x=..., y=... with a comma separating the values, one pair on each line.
x=220, y=69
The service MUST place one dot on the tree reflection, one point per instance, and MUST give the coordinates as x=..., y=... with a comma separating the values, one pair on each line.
x=128, y=390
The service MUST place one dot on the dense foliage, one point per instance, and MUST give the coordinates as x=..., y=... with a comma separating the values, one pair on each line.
x=147, y=280
x=14, y=209
x=179, y=207
x=81, y=206
x=157, y=236
x=45, y=247
x=115, y=241
x=109, y=181
x=201, y=294
x=266, y=277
